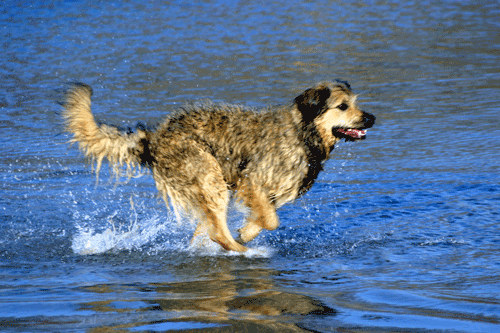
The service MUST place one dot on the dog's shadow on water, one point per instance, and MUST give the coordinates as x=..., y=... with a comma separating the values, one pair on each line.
x=228, y=297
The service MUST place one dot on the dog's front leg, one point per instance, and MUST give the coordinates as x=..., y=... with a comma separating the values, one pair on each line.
x=249, y=232
x=262, y=216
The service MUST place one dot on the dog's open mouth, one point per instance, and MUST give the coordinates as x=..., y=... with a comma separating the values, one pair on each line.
x=350, y=133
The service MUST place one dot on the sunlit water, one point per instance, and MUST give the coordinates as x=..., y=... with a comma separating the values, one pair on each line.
x=400, y=232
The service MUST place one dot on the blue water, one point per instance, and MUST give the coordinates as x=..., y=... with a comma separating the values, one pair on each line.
x=400, y=233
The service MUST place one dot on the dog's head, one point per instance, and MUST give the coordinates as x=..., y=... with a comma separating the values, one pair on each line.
x=331, y=106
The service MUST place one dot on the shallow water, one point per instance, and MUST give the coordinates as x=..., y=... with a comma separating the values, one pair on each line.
x=400, y=232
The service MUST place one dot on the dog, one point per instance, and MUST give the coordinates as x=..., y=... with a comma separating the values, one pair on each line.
x=203, y=152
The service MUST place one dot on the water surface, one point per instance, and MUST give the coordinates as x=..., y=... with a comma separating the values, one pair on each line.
x=400, y=232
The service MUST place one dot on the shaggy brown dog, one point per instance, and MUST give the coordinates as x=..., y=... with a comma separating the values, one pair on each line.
x=268, y=158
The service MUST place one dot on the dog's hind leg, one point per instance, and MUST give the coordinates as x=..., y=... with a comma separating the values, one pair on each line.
x=219, y=232
x=213, y=198
x=262, y=215
x=201, y=229
x=196, y=184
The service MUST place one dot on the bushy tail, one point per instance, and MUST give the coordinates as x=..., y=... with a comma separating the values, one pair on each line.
x=99, y=141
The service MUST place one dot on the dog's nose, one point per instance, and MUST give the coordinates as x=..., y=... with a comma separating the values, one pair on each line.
x=368, y=119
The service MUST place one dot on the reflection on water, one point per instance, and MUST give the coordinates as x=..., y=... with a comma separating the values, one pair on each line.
x=247, y=299
x=400, y=232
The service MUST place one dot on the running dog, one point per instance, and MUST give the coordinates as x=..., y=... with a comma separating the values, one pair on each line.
x=203, y=151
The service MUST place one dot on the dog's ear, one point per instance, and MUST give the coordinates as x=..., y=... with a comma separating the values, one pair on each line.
x=344, y=83
x=312, y=102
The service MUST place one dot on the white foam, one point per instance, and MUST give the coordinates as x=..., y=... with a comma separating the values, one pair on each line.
x=88, y=241
x=155, y=234
x=443, y=241
x=203, y=246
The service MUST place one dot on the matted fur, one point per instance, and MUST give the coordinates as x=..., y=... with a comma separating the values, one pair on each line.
x=267, y=157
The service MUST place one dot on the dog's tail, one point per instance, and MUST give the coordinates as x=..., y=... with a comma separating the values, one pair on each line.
x=99, y=141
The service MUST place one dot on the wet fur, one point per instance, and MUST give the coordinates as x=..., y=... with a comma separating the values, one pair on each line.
x=267, y=157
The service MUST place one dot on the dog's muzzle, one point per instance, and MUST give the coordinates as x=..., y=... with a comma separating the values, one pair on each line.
x=359, y=133
x=368, y=120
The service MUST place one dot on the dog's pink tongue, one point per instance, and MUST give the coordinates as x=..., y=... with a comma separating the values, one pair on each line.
x=354, y=133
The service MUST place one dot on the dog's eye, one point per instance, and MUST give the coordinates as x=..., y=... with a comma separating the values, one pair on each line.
x=343, y=107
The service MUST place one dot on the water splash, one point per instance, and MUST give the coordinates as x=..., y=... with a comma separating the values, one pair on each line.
x=114, y=238
x=154, y=234
x=203, y=246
